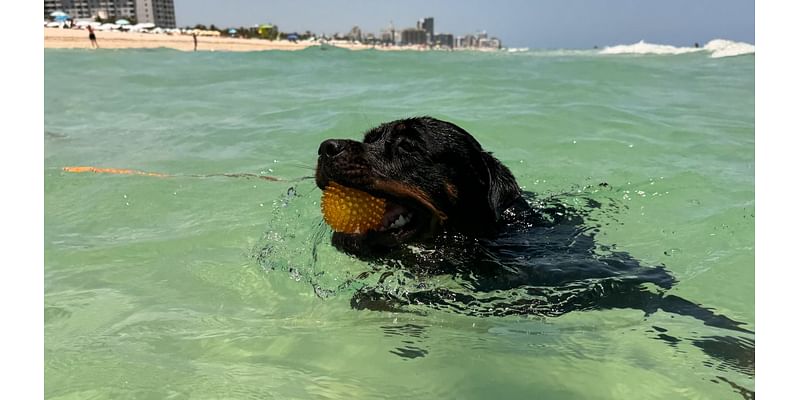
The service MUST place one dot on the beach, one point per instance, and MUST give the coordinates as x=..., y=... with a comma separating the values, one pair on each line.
x=56, y=38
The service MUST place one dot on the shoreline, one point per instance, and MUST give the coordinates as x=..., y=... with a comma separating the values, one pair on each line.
x=57, y=38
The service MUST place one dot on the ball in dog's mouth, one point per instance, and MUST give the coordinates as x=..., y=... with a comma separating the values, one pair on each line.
x=349, y=210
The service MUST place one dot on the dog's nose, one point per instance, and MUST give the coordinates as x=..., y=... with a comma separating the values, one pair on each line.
x=331, y=148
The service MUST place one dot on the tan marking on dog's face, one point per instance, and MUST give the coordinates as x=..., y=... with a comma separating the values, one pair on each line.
x=404, y=191
x=452, y=191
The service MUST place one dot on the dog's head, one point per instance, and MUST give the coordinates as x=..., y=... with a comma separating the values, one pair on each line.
x=434, y=175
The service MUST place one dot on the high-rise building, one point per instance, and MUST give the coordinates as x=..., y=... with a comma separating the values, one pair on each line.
x=91, y=8
x=52, y=5
x=159, y=12
x=444, y=40
x=426, y=24
x=413, y=36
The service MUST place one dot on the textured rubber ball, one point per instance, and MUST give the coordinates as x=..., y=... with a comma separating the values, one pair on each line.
x=349, y=210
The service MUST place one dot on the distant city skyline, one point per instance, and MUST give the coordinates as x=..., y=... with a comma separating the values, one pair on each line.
x=519, y=23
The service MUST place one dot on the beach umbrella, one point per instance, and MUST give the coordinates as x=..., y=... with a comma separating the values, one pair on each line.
x=122, y=22
x=58, y=13
x=145, y=25
x=232, y=31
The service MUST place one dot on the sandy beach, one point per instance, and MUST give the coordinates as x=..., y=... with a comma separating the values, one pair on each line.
x=56, y=38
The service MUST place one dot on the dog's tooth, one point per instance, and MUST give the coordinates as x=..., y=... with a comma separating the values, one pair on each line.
x=402, y=221
x=399, y=222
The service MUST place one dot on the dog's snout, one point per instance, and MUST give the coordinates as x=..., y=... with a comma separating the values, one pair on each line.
x=331, y=148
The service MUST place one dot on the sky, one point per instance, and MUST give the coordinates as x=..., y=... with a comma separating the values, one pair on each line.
x=518, y=23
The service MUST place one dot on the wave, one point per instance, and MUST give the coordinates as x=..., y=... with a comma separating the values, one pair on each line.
x=717, y=47
x=727, y=48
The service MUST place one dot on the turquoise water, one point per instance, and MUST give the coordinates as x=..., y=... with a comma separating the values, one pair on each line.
x=158, y=287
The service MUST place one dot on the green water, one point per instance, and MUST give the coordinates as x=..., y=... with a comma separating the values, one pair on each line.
x=153, y=287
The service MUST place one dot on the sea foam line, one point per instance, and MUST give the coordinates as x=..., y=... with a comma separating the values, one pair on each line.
x=717, y=47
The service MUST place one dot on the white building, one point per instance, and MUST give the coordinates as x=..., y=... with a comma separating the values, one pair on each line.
x=159, y=12
x=91, y=8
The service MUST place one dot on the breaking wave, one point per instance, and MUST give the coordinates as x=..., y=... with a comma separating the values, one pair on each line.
x=717, y=47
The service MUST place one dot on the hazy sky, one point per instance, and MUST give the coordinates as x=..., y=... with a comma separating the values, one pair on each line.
x=519, y=23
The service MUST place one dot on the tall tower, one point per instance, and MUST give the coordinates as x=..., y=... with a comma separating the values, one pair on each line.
x=91, y=8
x=159, y=12
x=427, y=26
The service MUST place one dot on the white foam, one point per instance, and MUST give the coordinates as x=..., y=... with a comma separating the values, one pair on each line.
x=648, y=48
x=717, y=47
x=726, y=48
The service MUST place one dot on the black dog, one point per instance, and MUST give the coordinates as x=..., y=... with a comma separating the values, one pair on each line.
x=443, y=189
x=435, y=175
x=454, y=210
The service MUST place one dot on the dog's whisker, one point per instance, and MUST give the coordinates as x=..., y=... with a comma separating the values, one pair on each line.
x=301, y=165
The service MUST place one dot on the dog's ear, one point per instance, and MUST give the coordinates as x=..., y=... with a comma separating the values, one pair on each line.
x=502, y=187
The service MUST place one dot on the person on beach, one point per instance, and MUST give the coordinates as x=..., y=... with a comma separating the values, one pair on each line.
x=93, y=38
x=194, y=37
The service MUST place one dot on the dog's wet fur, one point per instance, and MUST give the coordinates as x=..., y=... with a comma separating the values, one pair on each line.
x=466, y=217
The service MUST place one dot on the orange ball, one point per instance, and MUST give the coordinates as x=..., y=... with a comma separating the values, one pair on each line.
x=349, y=210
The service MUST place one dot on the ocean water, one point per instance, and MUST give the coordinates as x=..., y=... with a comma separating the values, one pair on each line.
x=161, y=287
